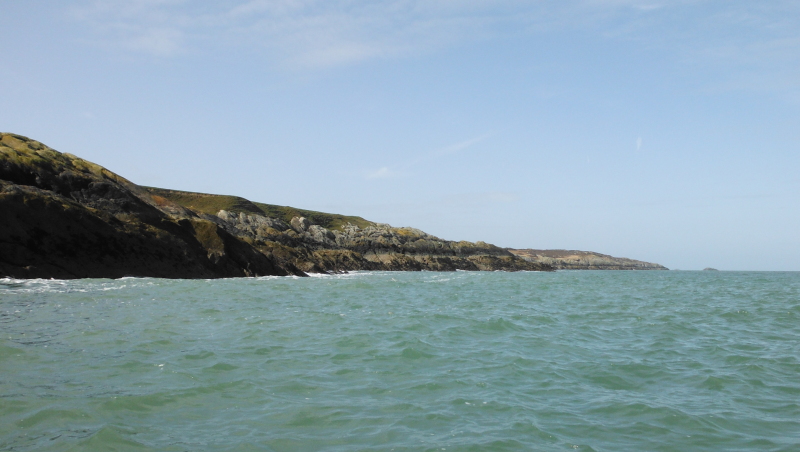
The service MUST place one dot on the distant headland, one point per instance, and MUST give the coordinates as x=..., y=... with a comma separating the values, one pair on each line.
x=65, y=217
x=583, y=260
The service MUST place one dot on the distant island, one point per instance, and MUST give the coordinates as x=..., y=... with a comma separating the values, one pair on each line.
x=65, y=217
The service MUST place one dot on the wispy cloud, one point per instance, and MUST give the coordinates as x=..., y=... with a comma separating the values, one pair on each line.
x=301, y=33
x=154, y=27
x=384, y=172
x=157, y=41
x=313, y=33
x=451, y=149
x=380, y=173
x=750, y=41
x=460, y=146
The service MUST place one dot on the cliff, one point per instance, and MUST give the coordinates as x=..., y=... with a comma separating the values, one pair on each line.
x=65, y=217
x=582, y=260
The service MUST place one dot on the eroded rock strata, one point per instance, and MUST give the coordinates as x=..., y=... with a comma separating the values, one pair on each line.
x=65, y=217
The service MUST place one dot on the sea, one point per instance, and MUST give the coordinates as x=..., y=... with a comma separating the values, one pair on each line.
x=404, y=361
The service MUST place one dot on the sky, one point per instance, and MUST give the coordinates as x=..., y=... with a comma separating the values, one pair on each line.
x=665, y=131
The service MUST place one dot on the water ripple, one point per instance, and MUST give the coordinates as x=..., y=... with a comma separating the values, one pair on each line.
x=403, y=361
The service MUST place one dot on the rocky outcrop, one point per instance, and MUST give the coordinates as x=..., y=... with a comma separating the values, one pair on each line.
x=65, y=217
x=314, y=248
x=582, y=260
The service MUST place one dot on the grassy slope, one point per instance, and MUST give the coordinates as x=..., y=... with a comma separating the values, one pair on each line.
x=21, y=157
x=211, y=204
x=205, y=203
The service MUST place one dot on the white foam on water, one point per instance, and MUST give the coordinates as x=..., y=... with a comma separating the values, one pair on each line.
x=351, y=274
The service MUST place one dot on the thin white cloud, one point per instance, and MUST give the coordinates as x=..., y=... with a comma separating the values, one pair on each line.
x=385, y=172
x=380, y=173
x=447, y=150
x=154, y=27
x=747, y=41
x=639, y=143
x=303, y=33
x=157, y=41
x=458, y=147
x=314, y=33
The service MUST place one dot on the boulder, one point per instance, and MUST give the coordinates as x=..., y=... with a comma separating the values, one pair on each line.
x=300, y=224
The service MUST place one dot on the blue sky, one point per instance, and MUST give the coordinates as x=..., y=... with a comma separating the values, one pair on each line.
x=666, y=131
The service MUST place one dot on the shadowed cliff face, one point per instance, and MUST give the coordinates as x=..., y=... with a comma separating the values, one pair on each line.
x=65, y=217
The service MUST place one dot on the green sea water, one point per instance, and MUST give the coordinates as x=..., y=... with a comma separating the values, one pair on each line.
x=464, y=361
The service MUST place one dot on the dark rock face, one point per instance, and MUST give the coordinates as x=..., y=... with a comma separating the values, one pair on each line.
x=583, y=260
x=45, y=235
x=64, y=217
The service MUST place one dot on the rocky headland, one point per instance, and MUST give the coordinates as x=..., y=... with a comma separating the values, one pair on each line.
x=582, y=260
x=65, y=217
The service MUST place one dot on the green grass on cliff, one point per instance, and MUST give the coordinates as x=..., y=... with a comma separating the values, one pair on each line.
x=211, y=204
x=23, y=158
x=205, y=203
x=30, y=155
x=29, y=162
